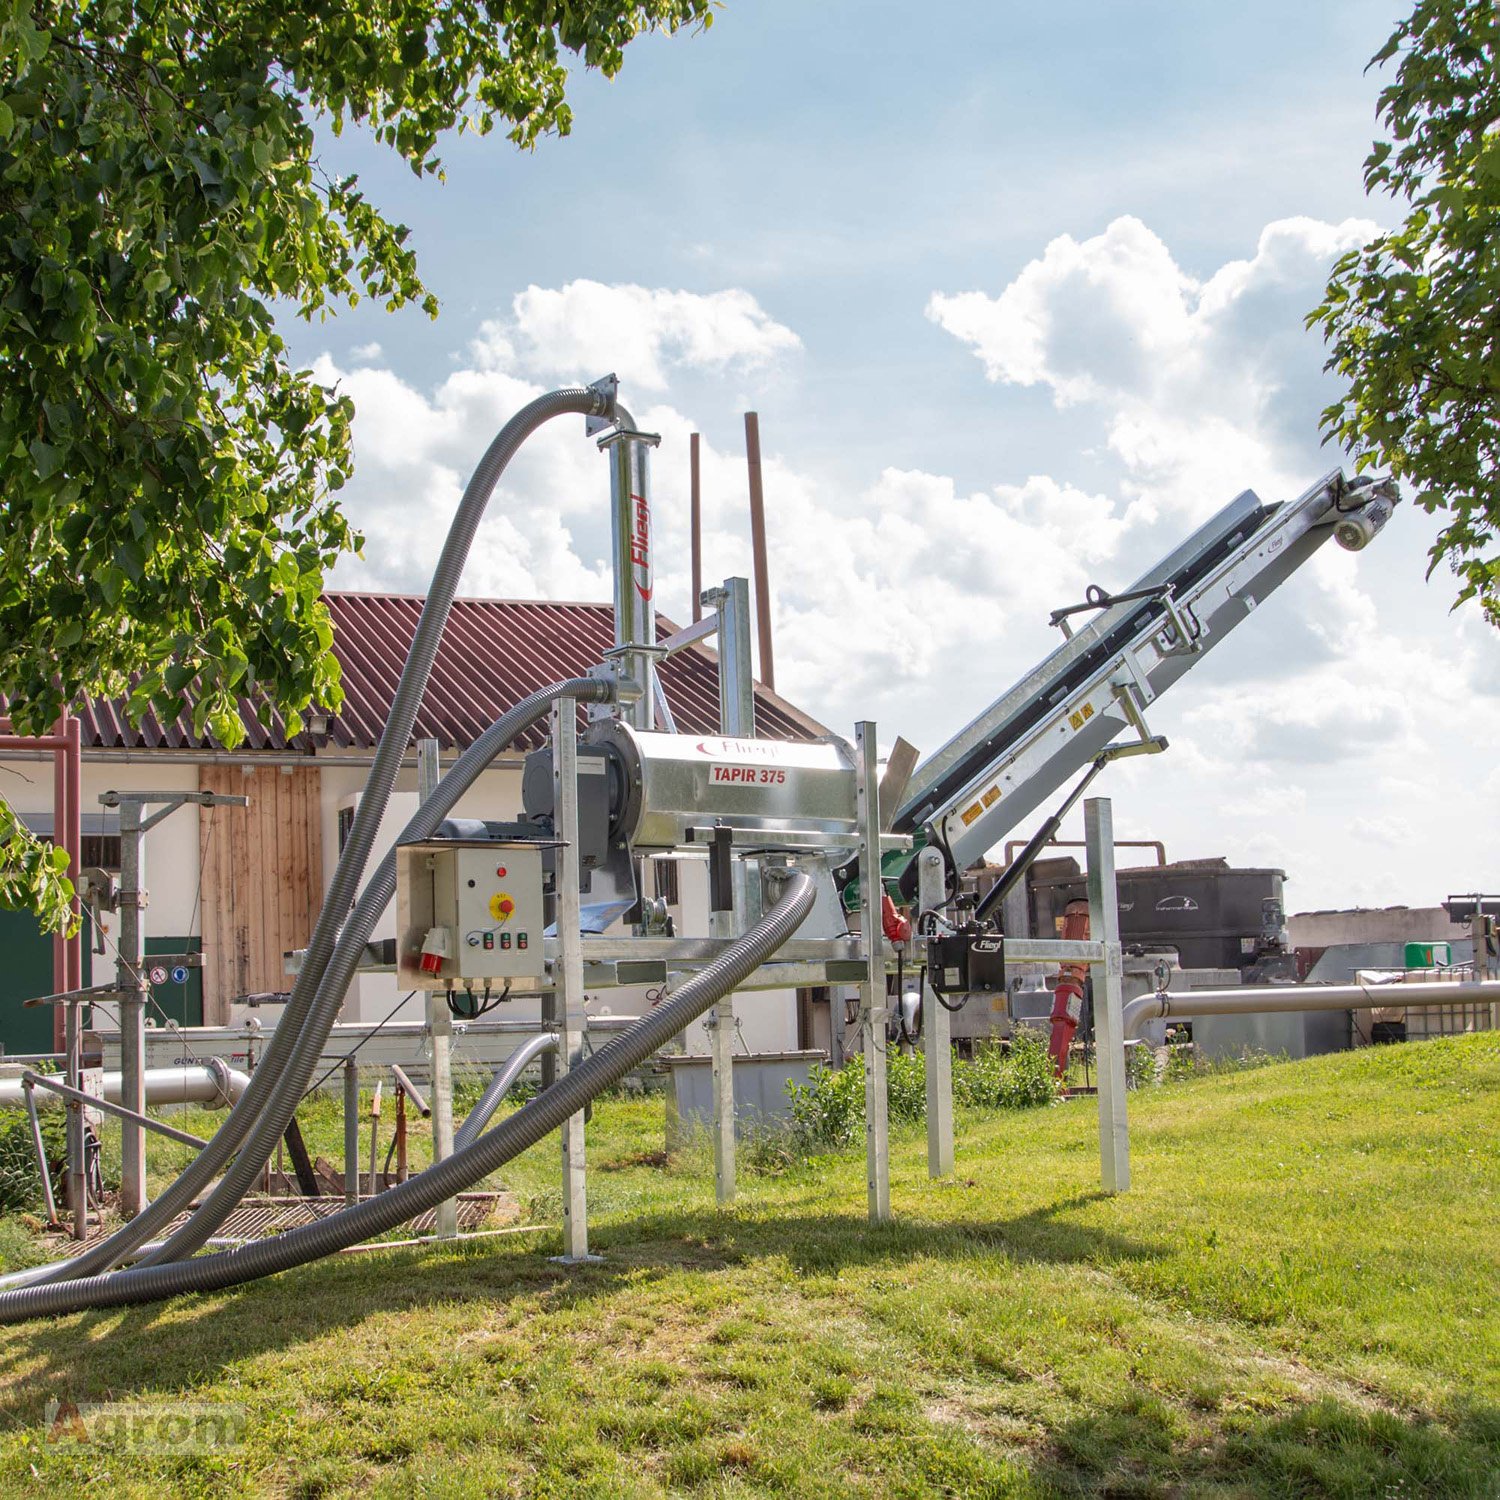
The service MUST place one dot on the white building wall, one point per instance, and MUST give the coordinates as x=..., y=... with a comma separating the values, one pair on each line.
x=172, y=862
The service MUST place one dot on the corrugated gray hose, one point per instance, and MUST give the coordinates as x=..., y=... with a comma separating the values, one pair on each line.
x=307, y=1053
x=500, y=1085
x=526, y=1127
x=341, y=891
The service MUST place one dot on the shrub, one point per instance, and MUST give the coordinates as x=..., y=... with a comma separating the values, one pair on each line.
x=1015, y=1077
x=20, y=1186
x=905, y=1085
x=828, y=1111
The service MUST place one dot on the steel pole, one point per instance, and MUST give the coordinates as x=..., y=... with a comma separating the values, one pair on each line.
x=567, y=974
x=936, y=1040
x=872, y=991
x=758, y=548
x=737, y=720
x=1109, y=1020
x=439, y=1028
x=78, y=1193
x=695, y=524
x=130, y=977
x=632, y=547
x=41, y=1154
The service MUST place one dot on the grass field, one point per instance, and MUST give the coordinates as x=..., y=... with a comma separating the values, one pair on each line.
x=1299, y=1297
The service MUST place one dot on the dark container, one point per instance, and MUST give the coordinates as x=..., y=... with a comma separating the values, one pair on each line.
x=1213, y=915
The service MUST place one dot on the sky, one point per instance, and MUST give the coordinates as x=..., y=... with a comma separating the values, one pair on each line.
x=1018, y=293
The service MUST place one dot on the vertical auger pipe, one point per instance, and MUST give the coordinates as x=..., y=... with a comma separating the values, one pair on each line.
x=633, y=546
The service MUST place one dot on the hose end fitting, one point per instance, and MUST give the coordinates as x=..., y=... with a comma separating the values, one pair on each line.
x=606, y=393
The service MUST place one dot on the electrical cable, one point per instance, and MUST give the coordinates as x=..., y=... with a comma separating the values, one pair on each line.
x=348, y=1057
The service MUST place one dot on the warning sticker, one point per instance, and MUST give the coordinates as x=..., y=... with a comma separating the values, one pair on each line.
x=991, y=797
x=1080, y=716
x=971, y=812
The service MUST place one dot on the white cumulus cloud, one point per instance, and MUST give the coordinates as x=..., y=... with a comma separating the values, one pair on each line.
x=1315, y=738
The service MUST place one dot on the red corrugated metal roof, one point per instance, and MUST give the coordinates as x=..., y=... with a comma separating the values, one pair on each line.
x=494, y=652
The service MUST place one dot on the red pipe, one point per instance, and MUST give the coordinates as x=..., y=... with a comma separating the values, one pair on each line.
x=1067, y=1004
x=56, y=743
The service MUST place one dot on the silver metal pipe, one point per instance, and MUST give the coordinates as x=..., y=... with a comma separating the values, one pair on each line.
x=500, y=1085
x=1256, y=999
x=41, y=1156
x=196, y=1085
x=141, y=1122
x=632, y=550
x=731, y=605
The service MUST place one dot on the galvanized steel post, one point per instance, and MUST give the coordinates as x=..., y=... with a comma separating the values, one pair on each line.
x=1109, y=996
x=731, y=604
x=873, y=1007
x=130, y=979
x=936, y=1042
x=439, y=1027
x=567, y=976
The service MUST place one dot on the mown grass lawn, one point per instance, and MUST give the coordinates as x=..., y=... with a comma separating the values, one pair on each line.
x=1300, y=1296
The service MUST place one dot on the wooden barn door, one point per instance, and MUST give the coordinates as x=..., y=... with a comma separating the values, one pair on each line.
x=262, y=880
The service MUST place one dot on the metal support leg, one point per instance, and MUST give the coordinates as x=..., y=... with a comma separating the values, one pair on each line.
x=78, y=1190
x=131, y=978
x=439, y=1029
x=1109, y=1000
x=731, y=603
x=568, y=975
x=41, y=1154
x=351, y=1131
x=719, y=1024
x=936, y=1042
x=873, y=1007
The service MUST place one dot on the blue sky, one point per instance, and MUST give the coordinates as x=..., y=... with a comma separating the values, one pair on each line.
x=1024, y=274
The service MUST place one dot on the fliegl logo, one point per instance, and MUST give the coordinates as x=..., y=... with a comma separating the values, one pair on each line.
x=739, y=749
x=640, y=548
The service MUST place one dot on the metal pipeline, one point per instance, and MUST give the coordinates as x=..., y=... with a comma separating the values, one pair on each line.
x=530, y=1124
x=500, y=1085
x=1256, y=999
x=206, y=1085
x=307, y=988
x=632, y=550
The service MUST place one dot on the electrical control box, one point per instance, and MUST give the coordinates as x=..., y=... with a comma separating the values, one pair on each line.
x=469, y=913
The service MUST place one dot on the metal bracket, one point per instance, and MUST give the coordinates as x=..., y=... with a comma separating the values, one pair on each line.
x=1190, y=632
x=607, y=386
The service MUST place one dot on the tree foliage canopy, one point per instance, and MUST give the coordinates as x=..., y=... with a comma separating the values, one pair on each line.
x=167, y=477
x=1413, y=319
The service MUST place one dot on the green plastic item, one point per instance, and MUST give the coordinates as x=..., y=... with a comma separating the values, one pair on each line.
x=1429, y=955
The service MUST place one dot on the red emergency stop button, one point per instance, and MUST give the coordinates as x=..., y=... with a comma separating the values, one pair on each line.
x=502, y=906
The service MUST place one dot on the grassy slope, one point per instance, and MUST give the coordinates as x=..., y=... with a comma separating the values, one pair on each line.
x=1298, y=1297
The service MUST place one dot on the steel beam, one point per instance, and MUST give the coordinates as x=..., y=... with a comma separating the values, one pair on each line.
x=439, y=1027
x=568, y=973
x=872, y=991
x=936, y=1042
x=130, y=977
x=1109, y=996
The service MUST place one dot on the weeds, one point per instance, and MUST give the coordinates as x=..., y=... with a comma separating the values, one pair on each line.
x=828, y=1112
